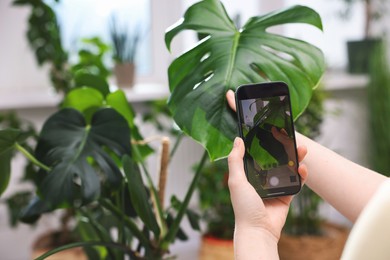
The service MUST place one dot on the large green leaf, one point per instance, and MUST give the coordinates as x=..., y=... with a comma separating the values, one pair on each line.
x=229, y=57
x=67, y=144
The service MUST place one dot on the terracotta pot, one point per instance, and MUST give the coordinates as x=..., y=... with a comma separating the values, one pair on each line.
x=52, y=240
x=328, y=246
x=215, y=249
x=124, y=74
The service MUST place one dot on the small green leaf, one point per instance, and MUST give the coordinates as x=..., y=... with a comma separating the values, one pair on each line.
x=138, y=194
x=83, y=99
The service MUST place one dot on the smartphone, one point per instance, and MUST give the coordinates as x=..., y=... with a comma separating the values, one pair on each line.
x=266, y=126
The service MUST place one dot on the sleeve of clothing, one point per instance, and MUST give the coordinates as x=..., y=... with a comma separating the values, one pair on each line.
x=370, y=236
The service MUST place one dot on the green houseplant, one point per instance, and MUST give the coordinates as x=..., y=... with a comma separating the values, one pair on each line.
x=125, y=44
x=101, y=169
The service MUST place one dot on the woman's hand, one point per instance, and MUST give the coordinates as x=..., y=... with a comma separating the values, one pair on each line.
x=258, y=222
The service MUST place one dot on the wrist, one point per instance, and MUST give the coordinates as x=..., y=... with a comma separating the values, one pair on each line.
x=255, y=243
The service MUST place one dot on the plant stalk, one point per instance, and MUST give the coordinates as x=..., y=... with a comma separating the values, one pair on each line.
x=176, y=223
x=130, y=224
x=32, y=158
x=163, y=170
x=87, y=244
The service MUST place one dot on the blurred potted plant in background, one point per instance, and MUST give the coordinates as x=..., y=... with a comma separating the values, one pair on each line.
x=125, y=45
x=360, y=51
x=217, y=211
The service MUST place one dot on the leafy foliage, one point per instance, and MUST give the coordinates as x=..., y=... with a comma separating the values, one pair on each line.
x=379, y=110
x=215, y=201
x=229, y=57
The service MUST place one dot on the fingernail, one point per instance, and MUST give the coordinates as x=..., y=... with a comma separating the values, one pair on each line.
x=236, y=142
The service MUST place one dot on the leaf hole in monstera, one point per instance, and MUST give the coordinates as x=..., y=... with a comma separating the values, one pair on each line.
x=76, y=179
x=282, y=55
x=207, y=77
x=205, y=57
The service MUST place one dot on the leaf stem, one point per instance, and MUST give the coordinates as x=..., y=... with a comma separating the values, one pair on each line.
x=31, y=157
x=87, y=244
x=130, y=224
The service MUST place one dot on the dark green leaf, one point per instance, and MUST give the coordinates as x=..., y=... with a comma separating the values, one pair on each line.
x=139, y=197
x=229, y=57
x=8, y=138
x=15, y=204
x=118, y=101
x=67, y=144
x=5, y=169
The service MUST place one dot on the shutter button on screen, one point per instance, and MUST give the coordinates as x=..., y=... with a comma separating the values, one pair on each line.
x=274, y=181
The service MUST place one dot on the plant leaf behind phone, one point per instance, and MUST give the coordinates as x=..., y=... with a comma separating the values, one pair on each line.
x=272, y=114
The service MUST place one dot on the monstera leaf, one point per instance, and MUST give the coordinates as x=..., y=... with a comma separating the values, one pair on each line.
x=228, y=57
x=67, y=145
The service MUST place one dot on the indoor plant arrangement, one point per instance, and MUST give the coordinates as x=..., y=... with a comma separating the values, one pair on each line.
x=98, y=161
x=125, y=46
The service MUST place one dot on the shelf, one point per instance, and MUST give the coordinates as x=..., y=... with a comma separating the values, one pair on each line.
x=47, y=98
x=339, y=80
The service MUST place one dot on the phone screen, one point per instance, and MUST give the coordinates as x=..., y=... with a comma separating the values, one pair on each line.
x=266, y=127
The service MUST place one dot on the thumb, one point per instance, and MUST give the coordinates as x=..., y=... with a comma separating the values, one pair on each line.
x=236, y=163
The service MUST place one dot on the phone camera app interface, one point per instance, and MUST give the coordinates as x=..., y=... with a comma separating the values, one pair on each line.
x=269, y=142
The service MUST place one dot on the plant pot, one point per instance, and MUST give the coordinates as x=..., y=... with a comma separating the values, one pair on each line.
x=124, y=74
x=52, y=240
x=215, y=248
x=328, y=246
x=360, y=53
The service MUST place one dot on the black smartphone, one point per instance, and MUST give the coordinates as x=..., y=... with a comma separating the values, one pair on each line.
x=266, y=126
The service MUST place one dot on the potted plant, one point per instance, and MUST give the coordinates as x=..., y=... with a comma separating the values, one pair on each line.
x=125, y=44
x=89, y=158
x=360, y=51
x=217, y=211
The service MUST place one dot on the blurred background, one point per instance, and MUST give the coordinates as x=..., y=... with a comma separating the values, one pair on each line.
x=26, y=89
